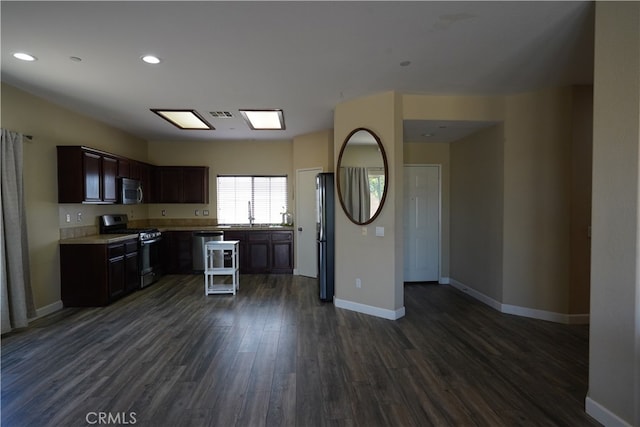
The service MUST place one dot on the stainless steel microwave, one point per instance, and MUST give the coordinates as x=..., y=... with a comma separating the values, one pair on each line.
x=130, y=191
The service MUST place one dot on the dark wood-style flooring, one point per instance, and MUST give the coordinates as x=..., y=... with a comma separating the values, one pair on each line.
x=274, y=355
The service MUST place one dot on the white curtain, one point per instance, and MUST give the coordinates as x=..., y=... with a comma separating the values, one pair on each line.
x=355, y=192
x=15, y=285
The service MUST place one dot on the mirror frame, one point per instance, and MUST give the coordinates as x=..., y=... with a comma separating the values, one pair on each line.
x=386, y=176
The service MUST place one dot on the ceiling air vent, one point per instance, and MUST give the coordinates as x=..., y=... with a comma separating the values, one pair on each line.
x=221, y=114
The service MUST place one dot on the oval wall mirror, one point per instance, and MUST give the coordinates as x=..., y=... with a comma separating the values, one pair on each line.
x=362, y=176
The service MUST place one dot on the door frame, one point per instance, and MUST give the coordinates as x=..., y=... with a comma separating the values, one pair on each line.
x=441, y=280
x=296, y=224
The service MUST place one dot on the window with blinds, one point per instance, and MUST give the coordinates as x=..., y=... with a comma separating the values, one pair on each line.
x=264, y=198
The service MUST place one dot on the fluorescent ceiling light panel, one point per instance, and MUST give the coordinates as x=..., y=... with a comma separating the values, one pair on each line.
x=184, y=119
x=264, y=119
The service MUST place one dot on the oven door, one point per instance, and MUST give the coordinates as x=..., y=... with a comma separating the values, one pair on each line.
x=150, y=261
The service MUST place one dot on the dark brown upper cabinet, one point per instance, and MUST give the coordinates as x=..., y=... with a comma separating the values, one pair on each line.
x=86, y=176
x=182, y=184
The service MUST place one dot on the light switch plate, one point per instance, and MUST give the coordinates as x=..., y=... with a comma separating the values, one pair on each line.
x=380, y=231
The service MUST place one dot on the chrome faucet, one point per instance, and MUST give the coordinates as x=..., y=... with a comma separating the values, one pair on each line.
x=251, y=218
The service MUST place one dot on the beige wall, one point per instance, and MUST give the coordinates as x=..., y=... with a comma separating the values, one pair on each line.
x=419, y=153
x=539, y=171
x=614, y=342
x=52, y=125
x=222, y=157
x=536, y=200
x=477, y=211
x=377, y=261
x=314, y=150
x=430, y=107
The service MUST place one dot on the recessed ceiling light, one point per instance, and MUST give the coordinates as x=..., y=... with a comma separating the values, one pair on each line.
x=184, y=119
x=24, y=56
x=150, y=59
x=264, y=119
x=405, y=63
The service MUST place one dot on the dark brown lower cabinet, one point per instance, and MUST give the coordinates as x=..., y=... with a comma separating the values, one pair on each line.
x=264, y=251
x=98, y=274
x=282, y=252
x=176, y=252
x=261, y=251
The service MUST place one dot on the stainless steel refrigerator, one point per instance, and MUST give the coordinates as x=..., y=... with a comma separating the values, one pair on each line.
x=325, y=222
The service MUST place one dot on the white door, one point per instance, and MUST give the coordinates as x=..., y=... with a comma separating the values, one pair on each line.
x=305, y=222
x=421, y=223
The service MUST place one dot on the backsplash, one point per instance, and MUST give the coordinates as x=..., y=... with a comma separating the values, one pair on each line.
x=90, y=230
x=71, y=232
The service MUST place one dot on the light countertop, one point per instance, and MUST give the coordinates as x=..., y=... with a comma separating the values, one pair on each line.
x=102, y=239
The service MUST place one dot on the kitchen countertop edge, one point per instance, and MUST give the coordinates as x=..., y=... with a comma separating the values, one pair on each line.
x=98, y=239
x=223, y=228
x=102, y=239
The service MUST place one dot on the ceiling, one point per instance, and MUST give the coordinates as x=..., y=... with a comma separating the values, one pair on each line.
x=302, y=57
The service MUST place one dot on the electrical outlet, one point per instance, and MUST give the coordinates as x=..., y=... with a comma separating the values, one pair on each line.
x=79, y=217
x=358, y=283
x=68, y=218
x=164, y=212
x=205, y=212
x=196, y=212
x=364, y=231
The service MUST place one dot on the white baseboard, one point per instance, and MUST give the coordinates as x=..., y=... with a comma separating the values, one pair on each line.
x=496, y=305
x=603, y=415
x=369, y=309
x=48, y=309
x=569, y=319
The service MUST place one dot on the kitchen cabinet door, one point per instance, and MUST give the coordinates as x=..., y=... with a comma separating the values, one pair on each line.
x=170, y=184
x=195, y=184
x=144, y=173
x=109, y=182
x=177, y=252
x=258, y=252
x=131, y=259
x=124, y=168
x=116, y=277
x=116, y=271
x=281, y=252
x=92, y=164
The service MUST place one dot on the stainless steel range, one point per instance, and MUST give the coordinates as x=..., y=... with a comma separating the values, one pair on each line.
x=149, y=239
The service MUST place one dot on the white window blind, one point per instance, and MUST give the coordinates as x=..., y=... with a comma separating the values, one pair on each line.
x=262, y=197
